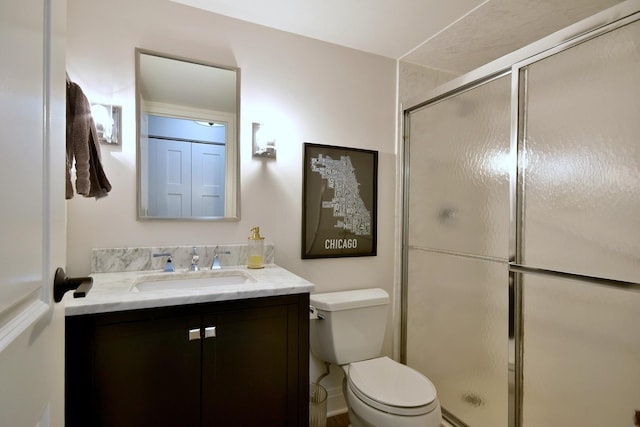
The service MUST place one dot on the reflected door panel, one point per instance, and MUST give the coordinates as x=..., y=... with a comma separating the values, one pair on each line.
x=208, y=179
x=170, y=178
x=186, y=167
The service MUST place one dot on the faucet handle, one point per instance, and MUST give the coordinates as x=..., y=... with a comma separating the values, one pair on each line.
x=215, y=265
x=168, y=268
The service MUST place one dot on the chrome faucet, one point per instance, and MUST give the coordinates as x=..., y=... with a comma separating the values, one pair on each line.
x=168, y=267
x=215, y=265
x=194, y=260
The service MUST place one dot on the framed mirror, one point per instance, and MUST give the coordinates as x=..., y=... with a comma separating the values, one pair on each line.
x=188, y=115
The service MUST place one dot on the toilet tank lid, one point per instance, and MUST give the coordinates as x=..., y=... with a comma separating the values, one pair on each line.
x=344, y=300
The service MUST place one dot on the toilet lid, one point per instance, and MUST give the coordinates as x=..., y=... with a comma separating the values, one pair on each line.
x=392, y=387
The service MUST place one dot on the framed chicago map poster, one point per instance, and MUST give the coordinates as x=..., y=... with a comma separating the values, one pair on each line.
x=339, y=202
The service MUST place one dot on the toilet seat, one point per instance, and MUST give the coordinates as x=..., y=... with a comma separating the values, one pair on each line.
x=392, y=387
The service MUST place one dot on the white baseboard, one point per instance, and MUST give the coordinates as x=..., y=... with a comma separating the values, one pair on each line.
x=335, y=402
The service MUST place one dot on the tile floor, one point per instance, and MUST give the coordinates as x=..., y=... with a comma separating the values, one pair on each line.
x=341, y=420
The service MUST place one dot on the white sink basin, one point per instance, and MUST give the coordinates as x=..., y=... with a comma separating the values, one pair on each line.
x=191, y=280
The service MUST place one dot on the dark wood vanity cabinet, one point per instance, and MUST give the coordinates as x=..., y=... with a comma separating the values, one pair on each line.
x=234, y=363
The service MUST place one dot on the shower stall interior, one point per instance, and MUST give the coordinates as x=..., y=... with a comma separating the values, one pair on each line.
x=521, y=261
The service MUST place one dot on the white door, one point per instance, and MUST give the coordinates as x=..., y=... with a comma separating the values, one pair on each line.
x=207, y=179
x=169, y=178
x=32, y=211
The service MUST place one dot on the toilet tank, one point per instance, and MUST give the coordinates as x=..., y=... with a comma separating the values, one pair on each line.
x=352, y=326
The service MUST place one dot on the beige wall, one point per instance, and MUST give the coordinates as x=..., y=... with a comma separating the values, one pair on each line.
x=311, y=91
x=415, y=82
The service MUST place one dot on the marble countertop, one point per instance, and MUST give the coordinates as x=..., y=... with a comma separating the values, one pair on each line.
x=117, y=291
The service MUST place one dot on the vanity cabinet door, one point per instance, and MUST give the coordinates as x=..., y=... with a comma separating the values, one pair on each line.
x=256, y=369
x=245, y=367
x=142, y=372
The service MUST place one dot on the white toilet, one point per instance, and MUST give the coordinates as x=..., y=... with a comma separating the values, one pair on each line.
x=379, y=391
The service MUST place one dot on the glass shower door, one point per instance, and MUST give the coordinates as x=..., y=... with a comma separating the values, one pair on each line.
x=458, y=244
x=581, y=151
x=530, y=319
x=581, y=353
x=581, y=234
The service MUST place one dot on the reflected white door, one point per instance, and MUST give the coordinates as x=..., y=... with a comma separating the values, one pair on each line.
x=207, y=168
x=32, y=230
x=186, y=178
x=169, y=178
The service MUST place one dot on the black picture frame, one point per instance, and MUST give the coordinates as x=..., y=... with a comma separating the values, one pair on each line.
x=339, y=202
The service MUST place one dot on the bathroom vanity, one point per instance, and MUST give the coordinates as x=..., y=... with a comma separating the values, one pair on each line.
x=235, y=354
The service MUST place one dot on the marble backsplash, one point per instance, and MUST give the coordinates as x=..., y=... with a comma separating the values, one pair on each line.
x=109, y=260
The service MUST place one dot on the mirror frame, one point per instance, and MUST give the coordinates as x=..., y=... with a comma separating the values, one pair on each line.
x=234, y=162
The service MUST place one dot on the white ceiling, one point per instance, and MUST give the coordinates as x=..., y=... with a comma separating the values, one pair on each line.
x=449, y=35
x=187, y=80
x=389, y=28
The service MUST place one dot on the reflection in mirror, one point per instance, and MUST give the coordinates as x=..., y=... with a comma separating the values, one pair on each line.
x=188, y=114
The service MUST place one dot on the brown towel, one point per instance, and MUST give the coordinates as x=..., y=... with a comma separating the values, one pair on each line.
x=83, y=146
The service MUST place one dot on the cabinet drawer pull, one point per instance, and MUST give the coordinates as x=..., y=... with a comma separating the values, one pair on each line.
x=194, y=334
x=210, y=332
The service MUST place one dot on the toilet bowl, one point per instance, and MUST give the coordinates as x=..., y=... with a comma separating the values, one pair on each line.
x=381, y=392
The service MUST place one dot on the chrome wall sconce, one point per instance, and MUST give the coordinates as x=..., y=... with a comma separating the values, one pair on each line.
x=108, y=120
x=264, y=142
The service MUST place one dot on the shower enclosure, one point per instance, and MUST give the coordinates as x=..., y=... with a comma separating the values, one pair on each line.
x=521, y=267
